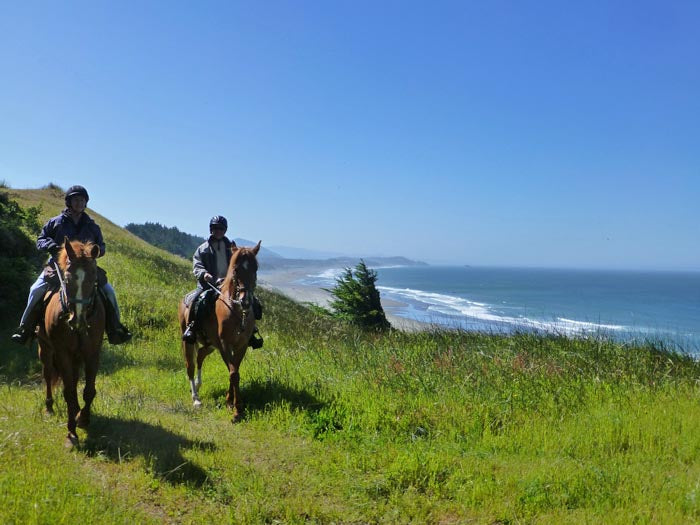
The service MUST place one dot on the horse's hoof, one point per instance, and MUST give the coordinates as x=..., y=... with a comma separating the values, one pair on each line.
x=197, y=403
x=82, y=421
x=236, y=418
x=72, y=441
x=48, y=411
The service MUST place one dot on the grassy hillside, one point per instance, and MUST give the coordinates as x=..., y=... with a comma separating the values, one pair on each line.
x=342, y=427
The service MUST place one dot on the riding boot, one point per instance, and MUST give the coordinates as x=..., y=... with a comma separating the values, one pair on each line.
x=117, y=333
x=256, y=341
x=32, y=313
x=23, y=333
x=26, y=330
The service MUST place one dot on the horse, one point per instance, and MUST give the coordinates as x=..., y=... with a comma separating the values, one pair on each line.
x=227, y=328
x=71, y=333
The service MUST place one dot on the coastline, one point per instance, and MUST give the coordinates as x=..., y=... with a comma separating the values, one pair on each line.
x=286, y=282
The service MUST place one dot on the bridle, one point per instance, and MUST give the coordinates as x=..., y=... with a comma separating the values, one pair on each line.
x=67, y=301
x=239, y=287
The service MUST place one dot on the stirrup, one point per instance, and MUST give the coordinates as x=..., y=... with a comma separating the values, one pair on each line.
x=189, y=335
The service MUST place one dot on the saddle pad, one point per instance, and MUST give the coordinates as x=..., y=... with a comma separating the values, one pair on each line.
x=190, y=297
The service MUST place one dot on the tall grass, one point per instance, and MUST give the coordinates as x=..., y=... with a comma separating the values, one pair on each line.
x=343, y=426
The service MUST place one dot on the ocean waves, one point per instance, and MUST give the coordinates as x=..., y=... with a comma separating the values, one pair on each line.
x=453, y=311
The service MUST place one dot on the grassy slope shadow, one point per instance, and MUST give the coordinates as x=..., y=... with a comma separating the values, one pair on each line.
x=18, y=363
x=119, y=439
x=21, y=363
x=258, y=395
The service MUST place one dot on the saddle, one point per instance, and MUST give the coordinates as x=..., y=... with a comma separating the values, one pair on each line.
x=200, y=302
x=203, y=300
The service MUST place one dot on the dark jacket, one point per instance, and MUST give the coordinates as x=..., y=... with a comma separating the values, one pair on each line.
x=204, y=259
x=57, y=229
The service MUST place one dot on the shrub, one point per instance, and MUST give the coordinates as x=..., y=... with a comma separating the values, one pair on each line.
x=19, y=258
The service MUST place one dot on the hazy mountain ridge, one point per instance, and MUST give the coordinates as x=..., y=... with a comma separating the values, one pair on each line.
x=171, y=239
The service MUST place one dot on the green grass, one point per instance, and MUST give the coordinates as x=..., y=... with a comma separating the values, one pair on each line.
x=345, y=427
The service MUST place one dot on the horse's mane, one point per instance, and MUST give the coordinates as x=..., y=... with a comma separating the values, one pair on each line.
x=81, y=249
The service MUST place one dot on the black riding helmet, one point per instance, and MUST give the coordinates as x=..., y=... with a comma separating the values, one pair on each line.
x=76, y=190
x=218, y=220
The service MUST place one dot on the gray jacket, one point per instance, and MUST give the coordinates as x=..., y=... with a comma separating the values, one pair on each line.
x=204, y=259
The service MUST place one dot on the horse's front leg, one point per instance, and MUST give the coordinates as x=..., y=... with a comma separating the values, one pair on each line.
x=70, y=394
x=91, y=366
x=233, y=396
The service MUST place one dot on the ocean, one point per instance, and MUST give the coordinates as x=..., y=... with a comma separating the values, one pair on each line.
x=624, y=305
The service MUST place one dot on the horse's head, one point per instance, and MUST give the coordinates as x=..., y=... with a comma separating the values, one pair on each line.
x=243, y=271
x=79, y=266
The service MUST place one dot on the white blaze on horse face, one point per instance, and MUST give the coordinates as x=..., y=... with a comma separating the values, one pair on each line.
x=245, y=265
x=79, y=277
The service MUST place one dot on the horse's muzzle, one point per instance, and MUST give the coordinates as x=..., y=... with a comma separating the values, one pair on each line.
x=78, y=323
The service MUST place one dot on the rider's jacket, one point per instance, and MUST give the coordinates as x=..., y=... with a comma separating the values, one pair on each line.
x=204, y=259
x=58, y=228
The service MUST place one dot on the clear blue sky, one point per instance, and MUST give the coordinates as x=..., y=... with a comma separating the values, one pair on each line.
x=494, y=133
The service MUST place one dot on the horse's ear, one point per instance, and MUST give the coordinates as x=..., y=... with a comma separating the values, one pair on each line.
x=69, y=249
x=257, y=248
x=234, y=248
x=95, y=252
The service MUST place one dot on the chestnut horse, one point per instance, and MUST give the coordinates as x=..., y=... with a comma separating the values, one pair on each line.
x=71, y=333
x=228, y=328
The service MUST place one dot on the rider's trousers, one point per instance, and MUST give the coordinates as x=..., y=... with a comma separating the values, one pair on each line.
x=39, y=289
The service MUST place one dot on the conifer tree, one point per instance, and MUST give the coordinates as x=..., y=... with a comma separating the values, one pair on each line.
x=357, y=298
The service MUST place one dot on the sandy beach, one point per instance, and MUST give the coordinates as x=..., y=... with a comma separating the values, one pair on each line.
x=287, y=283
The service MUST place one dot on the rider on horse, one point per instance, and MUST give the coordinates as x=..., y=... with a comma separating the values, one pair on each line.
x=210, y=264
x=73, y=223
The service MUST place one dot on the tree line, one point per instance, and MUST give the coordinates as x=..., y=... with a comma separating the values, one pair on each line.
x=168, y=238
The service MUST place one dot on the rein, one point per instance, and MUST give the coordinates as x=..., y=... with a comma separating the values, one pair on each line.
x=63, y=294
x=227, y=300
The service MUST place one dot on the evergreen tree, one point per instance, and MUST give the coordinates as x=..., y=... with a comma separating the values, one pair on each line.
x=357, y=298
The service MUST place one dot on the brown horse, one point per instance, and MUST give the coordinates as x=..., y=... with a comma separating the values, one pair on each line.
x=228, y=328
x=71, y=334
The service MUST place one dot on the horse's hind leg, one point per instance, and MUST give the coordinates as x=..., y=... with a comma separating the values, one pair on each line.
x=47, y=371
x=189, y=352
x=201, y=356
x=83, y=418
